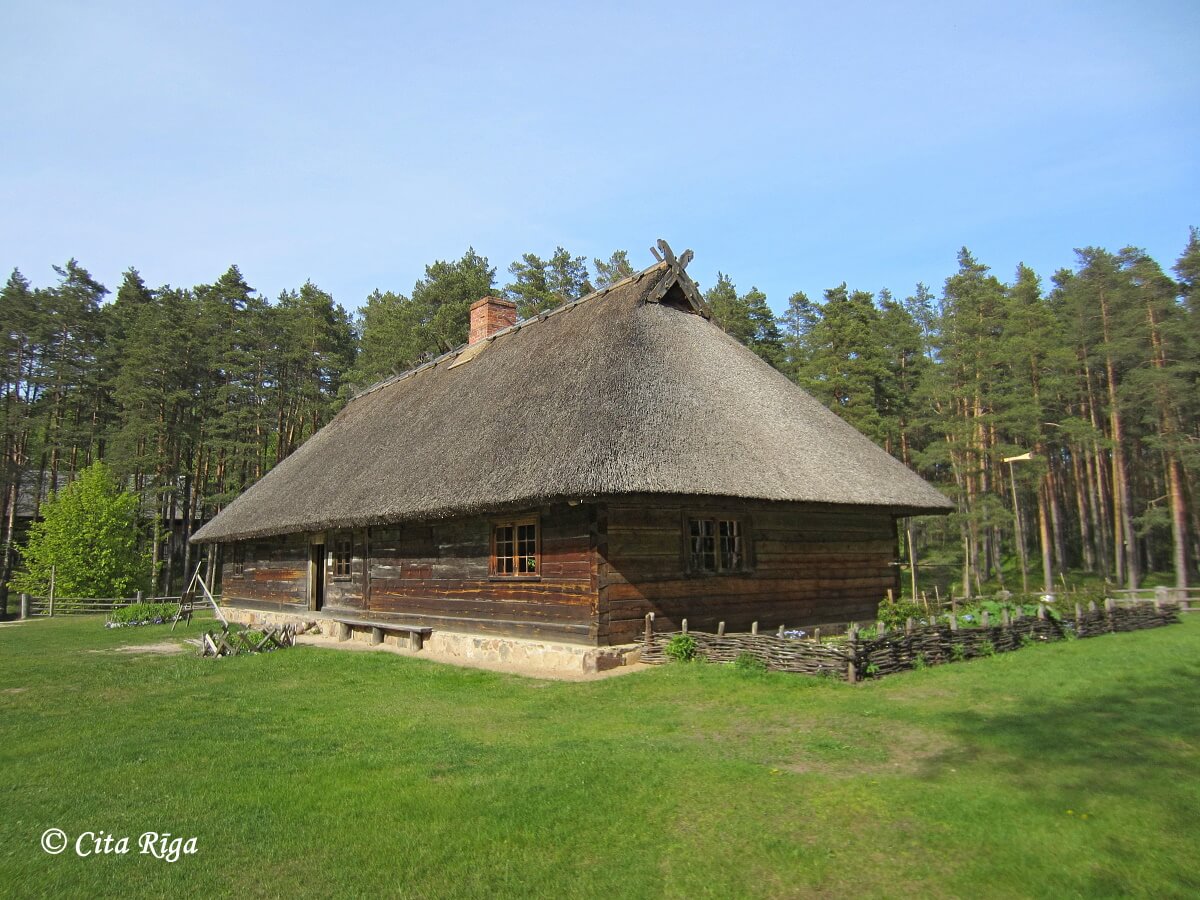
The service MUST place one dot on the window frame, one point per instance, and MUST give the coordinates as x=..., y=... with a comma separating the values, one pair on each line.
x=237, y=560
x=514, y=523
x=335, y=561
x=715, y=519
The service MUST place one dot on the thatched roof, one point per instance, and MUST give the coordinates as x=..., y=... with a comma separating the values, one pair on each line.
x=614, y=394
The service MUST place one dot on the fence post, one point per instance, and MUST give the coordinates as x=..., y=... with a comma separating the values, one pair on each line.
x=780, y=631
x=139, y=596
x=1041, y=610
x=649, y=627
x=953, y=622
x=754, y=628
x=908, y=625
x=851, y=668
x=24, y=606
x=683, y=626
x=52, y=568
x=720, y=629
x=984, y=619
x=1160, y=597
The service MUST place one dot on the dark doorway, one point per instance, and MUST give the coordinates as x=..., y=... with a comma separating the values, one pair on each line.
x=316, y=574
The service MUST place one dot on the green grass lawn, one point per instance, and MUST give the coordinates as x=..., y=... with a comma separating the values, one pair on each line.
x=1063, y=770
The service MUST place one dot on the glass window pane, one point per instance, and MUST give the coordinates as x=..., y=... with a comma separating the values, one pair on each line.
x=730, y=533
x=702, y=545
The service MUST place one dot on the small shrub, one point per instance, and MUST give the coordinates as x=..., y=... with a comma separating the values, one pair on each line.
x=681, y=648
x=748, y=662
x=987, y=648
x=895, y=613
x=920, y=662
x=142, y=614
x=957, y=653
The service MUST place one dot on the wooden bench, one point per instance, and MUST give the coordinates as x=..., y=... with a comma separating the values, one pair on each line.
x=416, y=633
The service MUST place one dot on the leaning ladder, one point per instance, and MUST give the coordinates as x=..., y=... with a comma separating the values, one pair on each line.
x=187, y=601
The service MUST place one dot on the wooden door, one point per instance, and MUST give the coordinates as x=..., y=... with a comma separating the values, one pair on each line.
x=316, y=576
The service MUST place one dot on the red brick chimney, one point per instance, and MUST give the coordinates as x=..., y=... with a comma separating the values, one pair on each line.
x=489, y=315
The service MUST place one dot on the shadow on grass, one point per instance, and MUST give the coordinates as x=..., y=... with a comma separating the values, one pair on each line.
x=1138, y=739
x=1115, y=732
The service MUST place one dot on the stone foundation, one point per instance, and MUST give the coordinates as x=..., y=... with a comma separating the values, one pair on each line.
x=462, y=647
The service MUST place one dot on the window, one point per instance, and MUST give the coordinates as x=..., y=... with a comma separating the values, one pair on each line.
x=515, y=549
x=716, y=545
x=343, y=553
x=238, y=562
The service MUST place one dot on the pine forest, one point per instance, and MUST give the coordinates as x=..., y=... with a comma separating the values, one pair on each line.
x=1060, y=414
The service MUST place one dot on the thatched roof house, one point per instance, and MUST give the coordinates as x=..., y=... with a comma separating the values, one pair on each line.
x=629, y=399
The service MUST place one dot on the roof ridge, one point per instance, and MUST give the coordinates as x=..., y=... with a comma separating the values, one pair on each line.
x=517, y=326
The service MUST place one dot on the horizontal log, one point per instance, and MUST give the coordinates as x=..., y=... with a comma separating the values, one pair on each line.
x=703, y=589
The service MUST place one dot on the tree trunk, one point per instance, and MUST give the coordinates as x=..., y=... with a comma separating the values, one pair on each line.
x=1044, y=531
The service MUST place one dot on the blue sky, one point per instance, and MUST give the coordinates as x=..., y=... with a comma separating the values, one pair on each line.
x=792, y=146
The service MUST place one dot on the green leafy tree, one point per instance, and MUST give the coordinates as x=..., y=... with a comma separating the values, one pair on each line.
x=89, y=535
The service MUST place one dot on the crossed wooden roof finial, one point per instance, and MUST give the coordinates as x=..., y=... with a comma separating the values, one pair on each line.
x=677, y=275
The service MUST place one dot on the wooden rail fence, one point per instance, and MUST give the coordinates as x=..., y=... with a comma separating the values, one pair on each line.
x=1187, y=599
x=44, y=607
x=886, y=652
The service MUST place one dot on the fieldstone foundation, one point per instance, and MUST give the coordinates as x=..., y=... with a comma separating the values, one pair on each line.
x=456, y=646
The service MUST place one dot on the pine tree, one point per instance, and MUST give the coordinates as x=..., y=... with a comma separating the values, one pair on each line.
x=445, y=295
x=20, y=322
x=747, y=318
x=612, y=270
x=541, y=284
x=314, y=345
x=845, y=363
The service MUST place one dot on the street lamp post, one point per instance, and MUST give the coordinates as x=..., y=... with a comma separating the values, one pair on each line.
x=1024, y=457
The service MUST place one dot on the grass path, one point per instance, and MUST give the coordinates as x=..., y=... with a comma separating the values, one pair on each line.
x=1062, y=770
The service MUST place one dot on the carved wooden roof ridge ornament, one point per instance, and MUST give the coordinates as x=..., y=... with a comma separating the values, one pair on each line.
x=676, y=274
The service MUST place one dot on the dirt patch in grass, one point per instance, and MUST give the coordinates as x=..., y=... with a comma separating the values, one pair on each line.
x=896, y=749
x=842, y=747
x=162, y=648
x=19, y=690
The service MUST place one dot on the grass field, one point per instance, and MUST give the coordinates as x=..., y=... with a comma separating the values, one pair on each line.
x=1063, y=770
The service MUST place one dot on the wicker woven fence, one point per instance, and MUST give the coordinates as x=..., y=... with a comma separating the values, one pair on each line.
x=886, y=652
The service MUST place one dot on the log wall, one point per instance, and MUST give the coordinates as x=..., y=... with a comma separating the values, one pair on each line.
x=439, y=573
x=275, y=572
x=342, y=592
x=808, y=565
x=603, y=567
